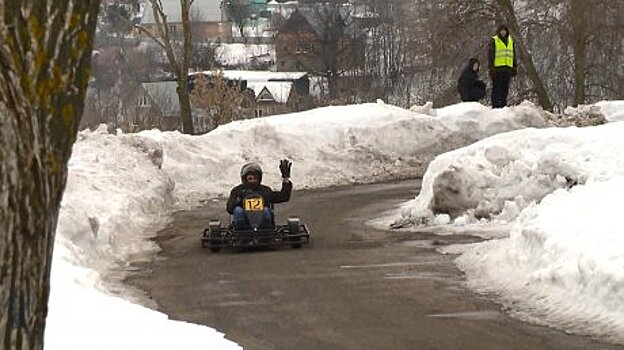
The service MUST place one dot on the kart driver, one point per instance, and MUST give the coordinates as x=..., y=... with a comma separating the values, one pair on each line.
x=251, y=178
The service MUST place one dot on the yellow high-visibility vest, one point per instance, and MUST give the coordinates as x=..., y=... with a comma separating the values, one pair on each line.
x=503, y=54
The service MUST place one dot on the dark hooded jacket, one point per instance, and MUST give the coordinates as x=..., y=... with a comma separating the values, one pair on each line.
x=270, y=197
x=469, y=86
x=491, y=53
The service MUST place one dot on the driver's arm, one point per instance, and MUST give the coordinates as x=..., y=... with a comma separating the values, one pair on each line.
x=234, y=200
x=284, y=194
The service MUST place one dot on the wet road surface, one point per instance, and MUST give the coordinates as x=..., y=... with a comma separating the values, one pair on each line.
x=354, y=287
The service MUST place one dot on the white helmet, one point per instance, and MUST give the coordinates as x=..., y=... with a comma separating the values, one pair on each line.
x=251, y=168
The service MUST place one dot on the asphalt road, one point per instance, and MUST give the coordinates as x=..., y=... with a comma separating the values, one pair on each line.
x=354, y=287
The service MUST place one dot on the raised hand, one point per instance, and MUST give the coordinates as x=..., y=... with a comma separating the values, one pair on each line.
x=284, y=167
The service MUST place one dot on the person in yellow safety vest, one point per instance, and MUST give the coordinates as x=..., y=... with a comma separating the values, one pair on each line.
x=502, y=65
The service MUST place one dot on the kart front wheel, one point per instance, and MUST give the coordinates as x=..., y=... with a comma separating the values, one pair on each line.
x=214, y=228
x=294, y=229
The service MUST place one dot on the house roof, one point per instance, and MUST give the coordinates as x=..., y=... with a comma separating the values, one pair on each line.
x=319, y=17
x=283, y=2
x=257, y=75
x=240, y=54
x=283, y=8
x=164, y=94
x=201, y=11
x=279, y=91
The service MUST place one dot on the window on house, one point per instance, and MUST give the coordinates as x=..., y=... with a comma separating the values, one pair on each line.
x=285, y=48
x=143, y=101
x=172, y=29
x=299, y=49
x=258, y=113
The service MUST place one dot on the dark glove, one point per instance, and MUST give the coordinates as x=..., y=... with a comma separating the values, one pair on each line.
x=492, y=72
x=284, y=166
x=514, y=72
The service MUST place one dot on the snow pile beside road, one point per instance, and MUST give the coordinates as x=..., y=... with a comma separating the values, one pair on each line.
x=82, y=317
x=237, y=55
x=330, y=146
x=121, y=189
x=115, y=198
x=498, y=177
x=115, y=192
x=472, y=121
x=553, y=197
x=563, y=263
x=612, y=110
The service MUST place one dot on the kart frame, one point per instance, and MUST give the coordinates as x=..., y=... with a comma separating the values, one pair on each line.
x=216, y=237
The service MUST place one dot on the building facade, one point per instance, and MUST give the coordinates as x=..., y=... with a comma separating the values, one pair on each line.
x=315, y=42
x=209, y=20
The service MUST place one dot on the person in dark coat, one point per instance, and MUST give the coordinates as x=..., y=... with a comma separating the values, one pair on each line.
x=503, y=65
x=469, y=86
x=251, y=179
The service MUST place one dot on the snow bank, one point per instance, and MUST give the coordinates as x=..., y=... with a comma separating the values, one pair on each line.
x=563, y=263
x=121, y=189
x=237, y=55
x=329, y=146
x=82, y=317
x=497, y=177
x=612, y=110
x=557, y=193
x=115, y=197
x=115, y=192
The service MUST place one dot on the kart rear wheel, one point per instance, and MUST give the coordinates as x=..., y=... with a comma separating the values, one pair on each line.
x=293, y=229
x=214, y=231
x=214, y=227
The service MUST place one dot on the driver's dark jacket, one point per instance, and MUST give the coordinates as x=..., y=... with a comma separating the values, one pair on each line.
x=270, y=197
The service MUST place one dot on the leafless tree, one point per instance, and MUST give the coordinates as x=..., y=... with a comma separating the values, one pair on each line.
x=508, y=12
x=277, y=20
x=154, y=116
x=203, y=51
x=117, y=19
x=179, y=64
x=239, y=12
x=335, y=46
x=222, y=100
x=564, y=55
x=577, y=43
x=569, y=51
x=389, y=61
x=45, y=49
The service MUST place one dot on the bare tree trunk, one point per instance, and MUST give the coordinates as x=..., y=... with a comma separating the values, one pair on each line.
x=183, y=88
x=45, y=52
x=579, y=44
x=508, y=13
x=184, y=99
x=179, y=66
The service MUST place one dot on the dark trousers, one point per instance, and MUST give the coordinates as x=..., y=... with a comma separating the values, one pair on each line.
x=240, y=219
x=500, y=88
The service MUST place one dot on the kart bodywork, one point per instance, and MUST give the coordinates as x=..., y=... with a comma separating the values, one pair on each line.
x=257, y=233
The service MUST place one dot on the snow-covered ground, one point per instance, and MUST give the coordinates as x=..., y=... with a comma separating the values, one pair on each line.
x=243, y=55
x=122, y=188
x=552, y=197
x=612, y=110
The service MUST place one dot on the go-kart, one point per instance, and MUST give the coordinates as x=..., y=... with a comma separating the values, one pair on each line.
x=257, y=233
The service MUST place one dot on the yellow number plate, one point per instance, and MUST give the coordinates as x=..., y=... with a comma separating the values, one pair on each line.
x=254, y=204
